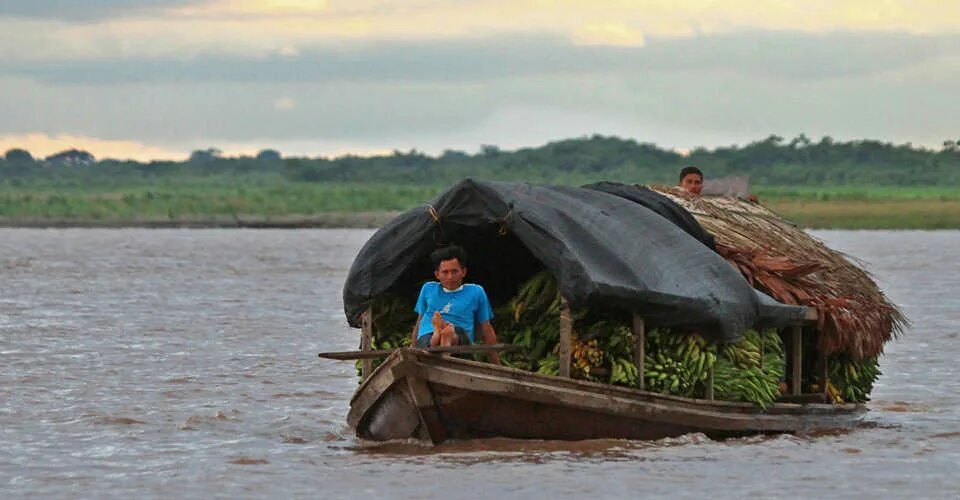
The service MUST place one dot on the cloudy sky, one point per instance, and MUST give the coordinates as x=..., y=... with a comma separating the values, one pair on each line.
x=152, y=79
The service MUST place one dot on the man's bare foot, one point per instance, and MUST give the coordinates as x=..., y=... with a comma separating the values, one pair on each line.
x=437, y=321
x=448, y=335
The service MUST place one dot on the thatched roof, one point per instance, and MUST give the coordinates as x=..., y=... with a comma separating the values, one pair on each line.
x=782, y=260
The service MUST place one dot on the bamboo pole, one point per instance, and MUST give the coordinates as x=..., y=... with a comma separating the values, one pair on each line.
x=639, y=343
x=366, y=341
x=566, y=337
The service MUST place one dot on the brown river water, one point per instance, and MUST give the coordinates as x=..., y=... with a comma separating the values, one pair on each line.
x=182, y=363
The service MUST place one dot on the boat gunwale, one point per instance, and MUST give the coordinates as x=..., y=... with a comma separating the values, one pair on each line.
x=425, y=361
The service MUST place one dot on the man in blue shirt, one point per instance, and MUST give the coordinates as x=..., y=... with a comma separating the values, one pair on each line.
x=453, y=309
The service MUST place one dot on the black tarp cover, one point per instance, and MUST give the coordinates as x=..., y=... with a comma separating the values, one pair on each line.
x=598, y=245
x=661, y=205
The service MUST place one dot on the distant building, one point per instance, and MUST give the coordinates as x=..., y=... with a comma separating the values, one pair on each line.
x=72, y=158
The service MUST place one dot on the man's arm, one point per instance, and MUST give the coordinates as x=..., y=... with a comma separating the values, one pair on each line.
x=490, y=338
x=416, y=328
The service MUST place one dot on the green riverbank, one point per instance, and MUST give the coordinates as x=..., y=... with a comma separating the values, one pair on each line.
x=364, y=206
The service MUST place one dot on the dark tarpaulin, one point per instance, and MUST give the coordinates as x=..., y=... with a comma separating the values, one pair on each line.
x=771, y=313
x=660, y=204
x=599, y=246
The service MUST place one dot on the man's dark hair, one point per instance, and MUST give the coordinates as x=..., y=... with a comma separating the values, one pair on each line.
x=690, y=170
x=446, y=253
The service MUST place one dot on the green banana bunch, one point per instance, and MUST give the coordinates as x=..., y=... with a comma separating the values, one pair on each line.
x=740, y=375
x=549, y=365
x=392, y=317
x=624, y=372
x=536, y=298
x=853, y=378
x=677, y=363
x=732, y=383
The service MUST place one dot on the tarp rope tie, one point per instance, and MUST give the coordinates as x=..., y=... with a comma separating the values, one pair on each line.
x=438, y=236
x=433, y=213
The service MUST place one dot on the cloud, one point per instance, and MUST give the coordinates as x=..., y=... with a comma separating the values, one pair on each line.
x=288, y=51
x=171, y=29
x=87, y=10
x=432, y=74
x=681, y=107
x=284, y=104
x=766, y=55
x=607, y=34
x=256, y=8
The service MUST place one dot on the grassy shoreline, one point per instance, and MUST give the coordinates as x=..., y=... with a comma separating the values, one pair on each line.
x=814, y=214
x=870, y=214
x=358, y=220
x=275, y=204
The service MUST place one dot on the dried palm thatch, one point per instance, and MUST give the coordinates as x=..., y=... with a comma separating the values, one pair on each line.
x=785, y=262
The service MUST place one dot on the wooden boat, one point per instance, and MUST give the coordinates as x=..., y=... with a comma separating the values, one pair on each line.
x=640, y=254
x=427, y=396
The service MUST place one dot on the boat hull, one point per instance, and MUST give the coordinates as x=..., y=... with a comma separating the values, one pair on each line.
x=415, y=394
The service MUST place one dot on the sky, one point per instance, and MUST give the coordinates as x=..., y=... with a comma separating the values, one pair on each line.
x=157, y=79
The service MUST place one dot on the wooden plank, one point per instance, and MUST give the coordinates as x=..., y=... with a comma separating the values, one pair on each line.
x=422, y=398
x=373, y=389
x=796, y=358
x=639, y=343
x=453, y=349
x=366, y=342
x=566, y=337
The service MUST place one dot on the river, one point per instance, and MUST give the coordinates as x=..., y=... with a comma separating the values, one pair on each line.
x=182, y=363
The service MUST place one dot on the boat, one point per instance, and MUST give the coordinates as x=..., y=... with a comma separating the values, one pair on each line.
x=415, y=394
x=623, y=247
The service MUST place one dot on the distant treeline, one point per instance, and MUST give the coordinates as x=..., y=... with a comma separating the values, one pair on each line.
x=773, y=161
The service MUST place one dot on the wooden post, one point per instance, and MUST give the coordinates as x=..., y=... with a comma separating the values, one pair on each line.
x=796, y=358
x=366, y=341
x=639, y=343
x=708, y=393
x=566, y=337
x=824, y=371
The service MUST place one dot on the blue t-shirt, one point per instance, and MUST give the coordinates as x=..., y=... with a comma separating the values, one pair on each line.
x=464, y=308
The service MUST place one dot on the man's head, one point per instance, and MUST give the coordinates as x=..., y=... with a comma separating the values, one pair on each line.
x=691, y=179
x=449, y=266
